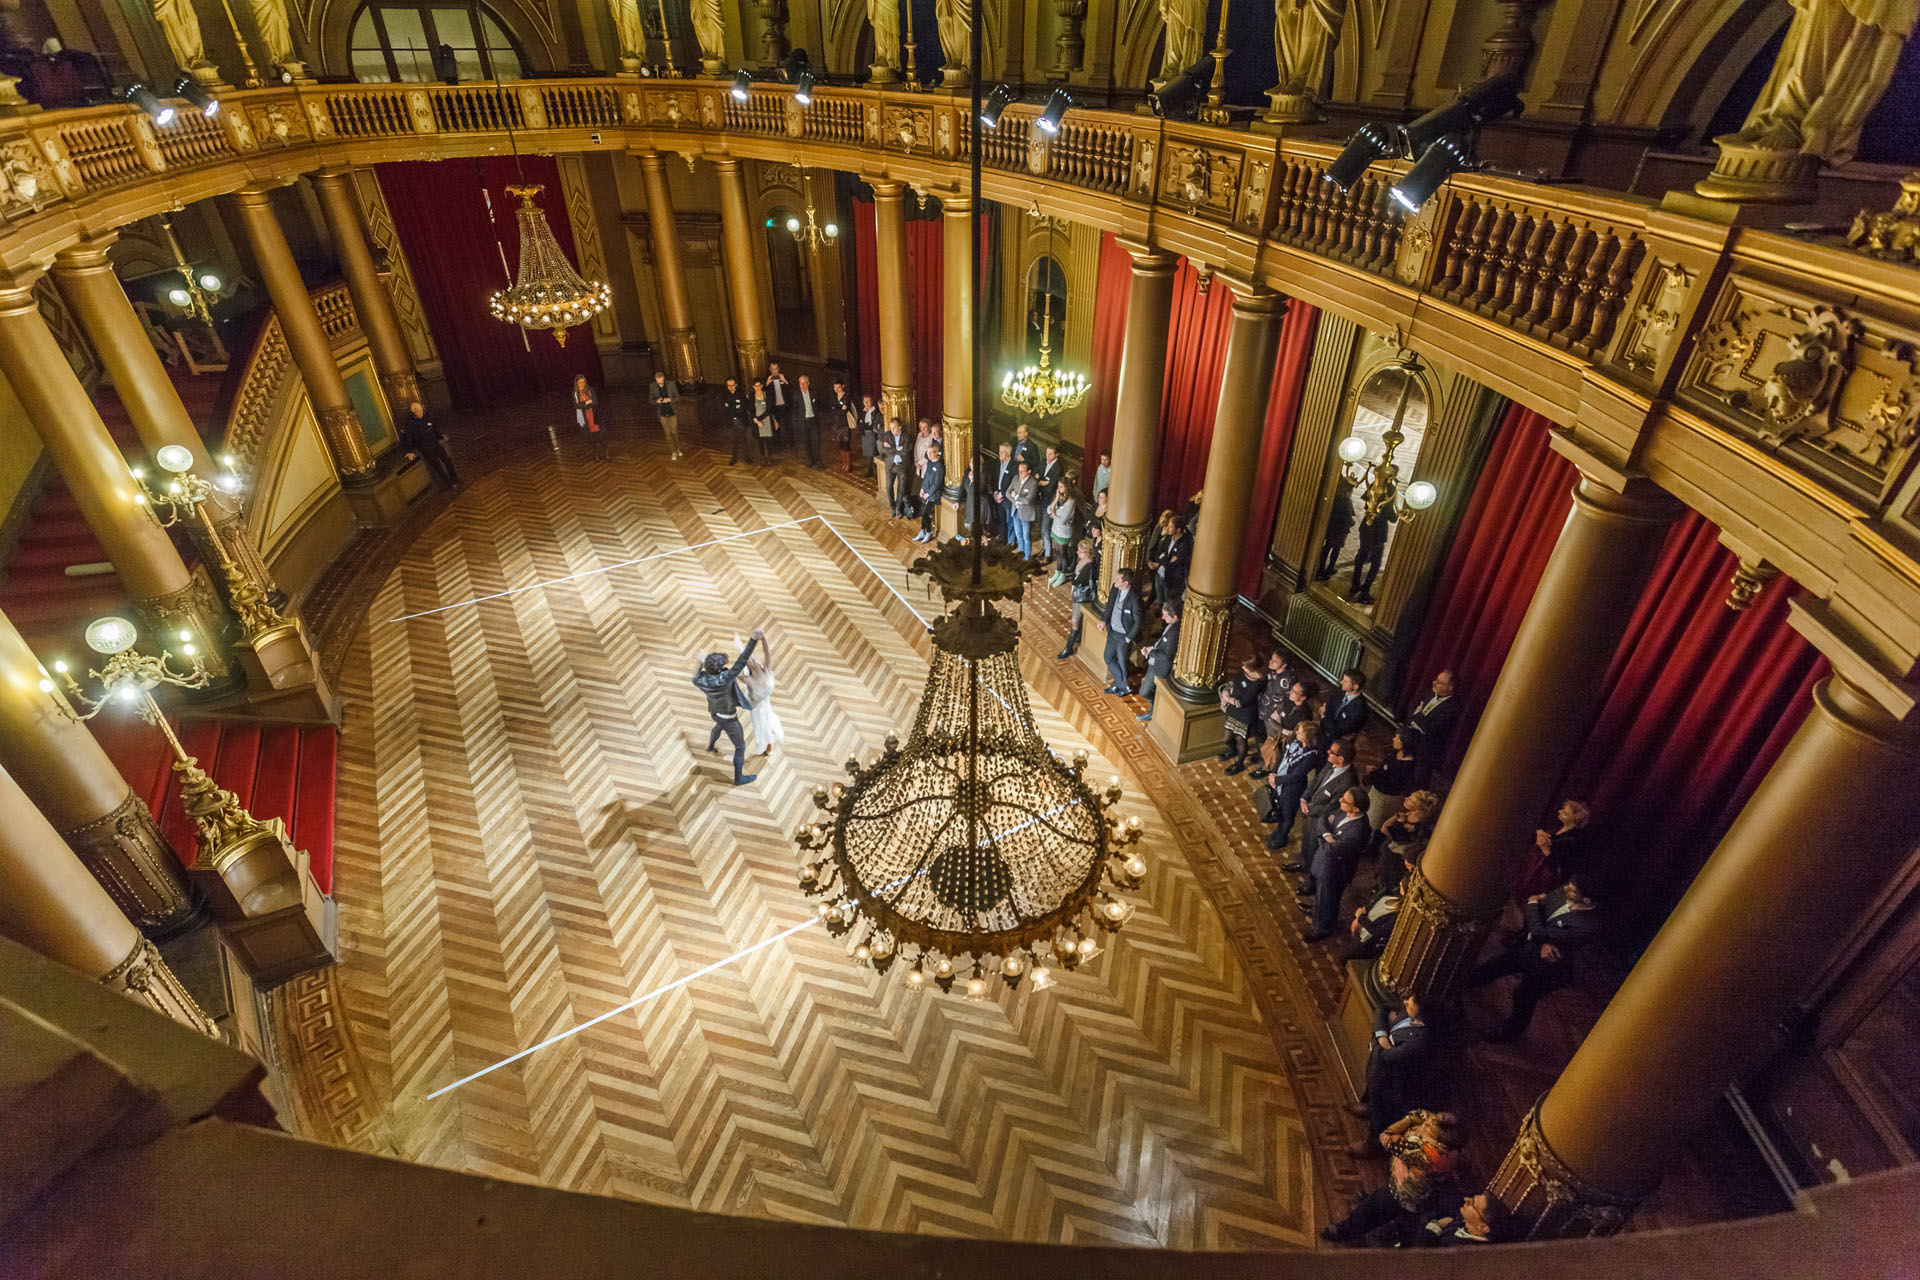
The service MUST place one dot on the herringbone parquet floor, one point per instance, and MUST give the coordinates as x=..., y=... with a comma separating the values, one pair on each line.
x=532, y=835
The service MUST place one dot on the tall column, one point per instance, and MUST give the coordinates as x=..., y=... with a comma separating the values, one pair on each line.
x=956, y=365
x=1233, y=457
x=1136, y=412
x=62, y=768
x=1830, y=824
x=1533, y=725
x=306, y=339
x=167, y=596
x=743, y=281
x=890, y=272
x=683, y=353
x=87, y=279
x=50, y=903
x=371, y=302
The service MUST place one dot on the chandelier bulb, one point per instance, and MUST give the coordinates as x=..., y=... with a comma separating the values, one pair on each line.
x=863, y=953
x=916, y=976
x=1136, y=867
x=944, y=969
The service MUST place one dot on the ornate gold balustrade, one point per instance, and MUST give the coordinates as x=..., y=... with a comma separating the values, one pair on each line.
x=1772, y=383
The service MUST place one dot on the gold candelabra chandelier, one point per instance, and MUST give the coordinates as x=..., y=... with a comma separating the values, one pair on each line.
x=1040, y=388
x=548, y=293
x=813, y=235
x=971, y=845
x=1382, y=479
x=183, y=496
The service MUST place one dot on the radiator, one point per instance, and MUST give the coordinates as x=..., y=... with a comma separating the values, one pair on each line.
x=1317, y=634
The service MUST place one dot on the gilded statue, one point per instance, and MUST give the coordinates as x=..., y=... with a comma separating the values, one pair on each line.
x=276, y=32
x=627, y=26
x=955, y=20
x=1304, y=33
x=1835, y=64
x=182, y=27
x=884, y=15
x=710, y=29
x=1186, y=35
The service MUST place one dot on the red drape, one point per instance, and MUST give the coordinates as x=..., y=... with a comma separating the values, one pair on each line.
x=926, y=312
x=866, y=306
x=1196, y=357
x=1111, y=289
x=1511, y=522
x=453, y=246
x=1276, y=437
x=1697, y=704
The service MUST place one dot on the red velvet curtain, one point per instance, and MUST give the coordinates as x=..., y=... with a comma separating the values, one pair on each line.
x=454, y=247
x=1196, y=357
x=1511, y=522
x=1698, y=703
x=926, y=312
x=1276, y=437
x=866, y=306
x=1111, y=289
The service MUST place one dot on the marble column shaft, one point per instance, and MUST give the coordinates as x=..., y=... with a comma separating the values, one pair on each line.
x=1233, y=459
x=1830, y=825
x=1136, y=413
x=372, y=304
x=896, y=337
x=307, y=340
x=683, y=352
x=743, y=280
x=50, y=903
x=1534, y=723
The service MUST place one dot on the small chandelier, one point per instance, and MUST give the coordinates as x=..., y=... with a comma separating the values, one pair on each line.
x=1382, y=479
x=972, y=845
x=1041, y=389
x=813, y=235
x=549, y=293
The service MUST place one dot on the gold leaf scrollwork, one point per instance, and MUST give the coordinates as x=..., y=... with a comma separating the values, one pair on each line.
x=1797, y=393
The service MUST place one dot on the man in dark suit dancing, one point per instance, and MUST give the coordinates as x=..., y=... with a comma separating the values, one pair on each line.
x=716, y=679
x=1558, y=925
x=1123, y=624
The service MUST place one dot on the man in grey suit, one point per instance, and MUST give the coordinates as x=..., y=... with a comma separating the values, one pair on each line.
x=1123, y=624
x=1321, y=799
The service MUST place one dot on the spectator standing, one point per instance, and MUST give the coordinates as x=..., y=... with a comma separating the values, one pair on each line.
x=1086, y=592
x=584, y=403
x=665, y=394
x=933, y=480
x=764, y=423
x=735, y=409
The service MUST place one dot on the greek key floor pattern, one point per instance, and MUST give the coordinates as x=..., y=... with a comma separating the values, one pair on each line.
x=532, y=834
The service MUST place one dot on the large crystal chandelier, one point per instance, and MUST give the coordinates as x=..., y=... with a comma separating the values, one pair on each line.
x=549, y=293
x=971, y=850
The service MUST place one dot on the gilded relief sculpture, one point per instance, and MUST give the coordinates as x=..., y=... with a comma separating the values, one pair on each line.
x=632, y=34
x=884, y=16
x=955, y=20
x=710, y=29
x=1304, y=34
x=1186, y=36
x=182, y=28
x=1835, y=64
x=276, y=34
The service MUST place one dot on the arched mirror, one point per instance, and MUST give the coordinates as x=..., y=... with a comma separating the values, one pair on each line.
x=1371, y=489
x=1046, y=306
x=397, y=40
x=791, y=270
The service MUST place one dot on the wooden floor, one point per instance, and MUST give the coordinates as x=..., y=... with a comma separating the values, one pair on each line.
x=532, y=834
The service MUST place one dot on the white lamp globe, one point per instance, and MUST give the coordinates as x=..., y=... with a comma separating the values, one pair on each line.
x=179, y=297
x=176, y=458
x=1422, y=494
x=111, y=634
x=1352, y=449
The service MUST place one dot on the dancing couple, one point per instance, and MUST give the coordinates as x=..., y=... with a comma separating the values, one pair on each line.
x=746, y=682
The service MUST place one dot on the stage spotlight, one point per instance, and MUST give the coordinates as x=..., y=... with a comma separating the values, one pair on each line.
x=803, y=89
x=1180, y=97
x=1056, y=110
x=192, y=90
x=1490, y=100
x=1444, y=157
x=142, y=97
x=1369, y=142
x=742, y=84
x=995, y=104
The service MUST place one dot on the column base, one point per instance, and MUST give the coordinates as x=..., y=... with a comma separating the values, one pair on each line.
x=880, y=485
x=1763, y=171
x=1548, y=1200
x=1093, y=651
x=126, y=853
x=283, y=673
x=272, y=915
x=379, y=498
x=1434, y=944
x=1185, y=729
x=946, y=521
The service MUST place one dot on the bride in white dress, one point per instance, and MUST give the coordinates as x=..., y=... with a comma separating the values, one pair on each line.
x=758, y=684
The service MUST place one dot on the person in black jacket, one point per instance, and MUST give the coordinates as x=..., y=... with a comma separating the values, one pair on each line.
x=933, y=483
x=898, y=453
x=1086, y=593
x=1401, y=1042
x=1346, y=712
x=1122, y=622
x=1337, y=845
x=1320, y=800
x=716, y=679
x=584, y=404
x=1435, y=719
x=1160, y=656
x=1366, y=559
x=1558, y=925
x=1240, y=701
x=843, y=418
x=665, y=393
x=872, y=424
x=735, y=411
x=1293, y=773
x=419, y=435
x=804, y=413
x=1339, y=525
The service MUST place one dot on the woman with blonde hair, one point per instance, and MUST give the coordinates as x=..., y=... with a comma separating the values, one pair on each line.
x=584, y=403
x=757, y=684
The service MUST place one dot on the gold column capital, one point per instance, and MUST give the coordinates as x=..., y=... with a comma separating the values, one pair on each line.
x=1147, y=257
x=89, y=253
x=887, y=188
x=955, y=204
x=724, y=163
x=16, y=289
x=1254, y=301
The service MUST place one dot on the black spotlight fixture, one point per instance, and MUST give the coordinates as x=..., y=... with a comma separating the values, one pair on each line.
x=1056, y=109
x=995, y=104
x=142, y=97
x=1369, y=142
x=195, y=93
x=1445, y=156
x=803, y=89
x=1490, y=100
x=1180, y=97
x=742, y=84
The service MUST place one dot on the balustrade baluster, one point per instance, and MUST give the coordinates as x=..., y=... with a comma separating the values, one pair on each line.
x=1584, y=246
x=1588, y=292
x=1463, y=220
x=1531, y=261
x=1544, y=277
x=1489, y=256
x=1302, y=179
x=1391, y=224
x=1600, y=328
x=1509, y=258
